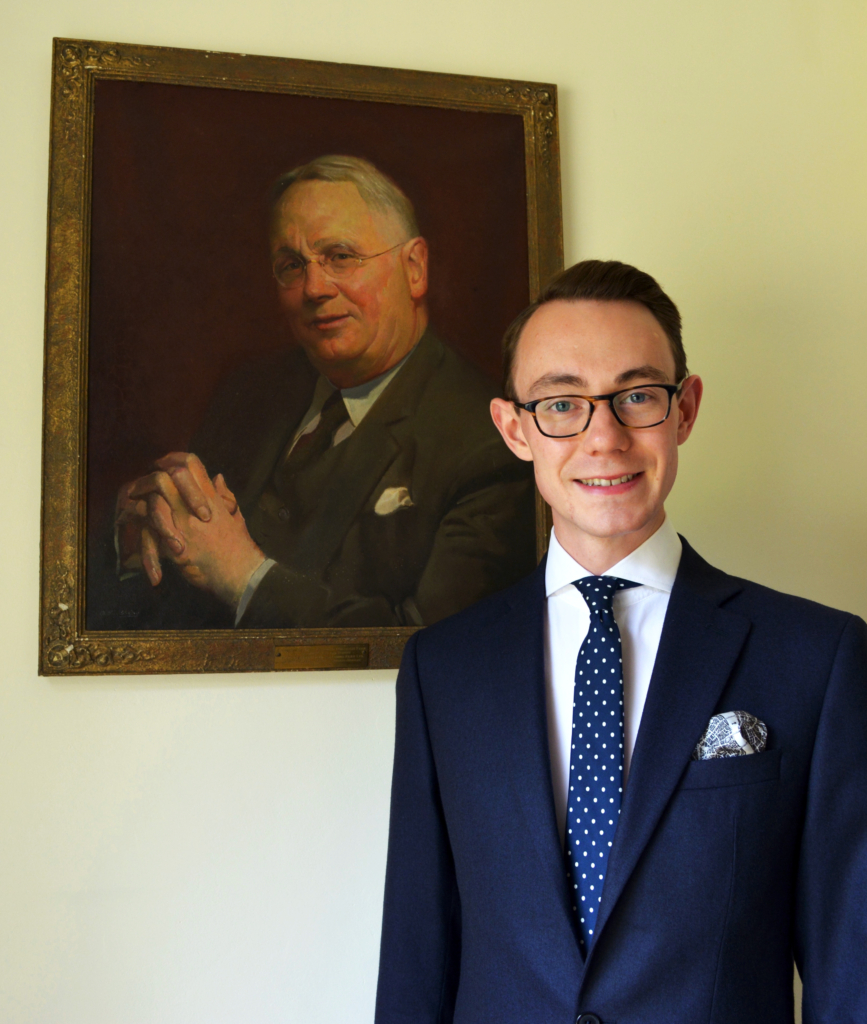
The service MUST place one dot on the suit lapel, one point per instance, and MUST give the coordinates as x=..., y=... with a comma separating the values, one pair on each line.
x=521, y=709
x=293, y=392
x=699, y=646
x=521, y=727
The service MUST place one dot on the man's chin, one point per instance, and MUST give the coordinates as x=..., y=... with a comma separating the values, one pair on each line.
x=609, y=523
x=337, y=347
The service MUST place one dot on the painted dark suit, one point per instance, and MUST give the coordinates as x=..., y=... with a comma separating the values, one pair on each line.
x=465, y=527
x=720, y=870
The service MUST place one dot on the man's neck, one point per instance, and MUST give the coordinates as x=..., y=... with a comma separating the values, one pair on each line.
x=598, y=554
x=353, y=375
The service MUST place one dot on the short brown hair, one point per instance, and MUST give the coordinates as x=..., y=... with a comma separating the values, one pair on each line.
x=605, y=281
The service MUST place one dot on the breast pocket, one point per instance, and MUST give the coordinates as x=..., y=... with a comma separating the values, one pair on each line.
x=733, y=771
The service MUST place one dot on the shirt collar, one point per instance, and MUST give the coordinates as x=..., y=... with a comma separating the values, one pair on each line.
x=653, y=564
x=360, y=399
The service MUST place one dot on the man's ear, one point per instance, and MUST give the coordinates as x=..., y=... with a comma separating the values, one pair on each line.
x=507, y=420
x=687, y=406
x=414, y=256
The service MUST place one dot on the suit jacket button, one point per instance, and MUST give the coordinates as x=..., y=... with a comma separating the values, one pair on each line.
x=588, y=1018
x=284, y=514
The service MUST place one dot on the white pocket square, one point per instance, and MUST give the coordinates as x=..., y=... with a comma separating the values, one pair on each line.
x=731, y=734
x=391, y=499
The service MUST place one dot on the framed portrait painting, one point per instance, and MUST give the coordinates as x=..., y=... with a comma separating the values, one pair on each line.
x=276, y=292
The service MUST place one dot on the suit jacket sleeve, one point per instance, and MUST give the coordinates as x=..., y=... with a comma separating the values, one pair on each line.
x=831, y=907
x=420, y=951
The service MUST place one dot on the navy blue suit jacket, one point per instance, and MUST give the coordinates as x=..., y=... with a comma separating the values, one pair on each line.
x=721, y=870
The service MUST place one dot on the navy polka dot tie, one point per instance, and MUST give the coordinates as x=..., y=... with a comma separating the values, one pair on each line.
x=596, y=762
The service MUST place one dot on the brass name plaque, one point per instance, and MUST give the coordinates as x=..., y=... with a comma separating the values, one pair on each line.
x=317, y=656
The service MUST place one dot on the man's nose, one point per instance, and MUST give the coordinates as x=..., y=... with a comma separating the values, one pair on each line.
x=317, y=284
x=606, y=432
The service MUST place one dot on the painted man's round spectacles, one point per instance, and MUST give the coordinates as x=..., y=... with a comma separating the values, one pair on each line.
x=569, y=415
x=291, y=267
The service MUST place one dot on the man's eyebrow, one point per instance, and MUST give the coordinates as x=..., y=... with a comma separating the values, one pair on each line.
x=555, y=380
x=646, y=372
x=322, y=243
x=571, y=380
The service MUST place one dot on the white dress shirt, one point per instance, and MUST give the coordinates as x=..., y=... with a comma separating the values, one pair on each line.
x=639, y=613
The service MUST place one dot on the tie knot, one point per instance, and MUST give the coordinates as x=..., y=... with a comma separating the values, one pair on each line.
x=334, y=409
x=599, y=591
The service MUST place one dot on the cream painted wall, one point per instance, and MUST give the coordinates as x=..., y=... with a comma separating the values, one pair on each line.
x=178, y=850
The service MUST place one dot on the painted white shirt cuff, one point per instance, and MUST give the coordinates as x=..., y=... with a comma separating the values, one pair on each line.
x=250, y=589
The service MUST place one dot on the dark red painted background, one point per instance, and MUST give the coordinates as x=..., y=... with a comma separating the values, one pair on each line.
x=181, y=286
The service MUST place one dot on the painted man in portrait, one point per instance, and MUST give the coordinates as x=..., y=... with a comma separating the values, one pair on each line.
x=353, y=480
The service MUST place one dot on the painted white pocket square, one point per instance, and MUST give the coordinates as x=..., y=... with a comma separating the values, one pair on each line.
x=391, y=499
x=731, y=734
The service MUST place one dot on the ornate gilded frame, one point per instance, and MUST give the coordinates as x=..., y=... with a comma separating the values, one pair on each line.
x=66, y=646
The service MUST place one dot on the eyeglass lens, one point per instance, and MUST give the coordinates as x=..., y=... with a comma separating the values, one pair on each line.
x=565, y=415
x=289, y=269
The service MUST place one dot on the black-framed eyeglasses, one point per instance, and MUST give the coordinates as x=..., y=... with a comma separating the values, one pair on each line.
x=290, y=267
x=569, y=415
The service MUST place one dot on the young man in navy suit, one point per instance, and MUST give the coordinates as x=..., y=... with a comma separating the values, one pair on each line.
x=631, y=788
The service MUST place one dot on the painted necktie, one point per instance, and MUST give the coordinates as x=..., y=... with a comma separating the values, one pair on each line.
x=312, y=445
x=596, y=762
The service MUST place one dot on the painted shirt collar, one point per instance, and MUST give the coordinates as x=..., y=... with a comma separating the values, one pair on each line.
x=358, y=400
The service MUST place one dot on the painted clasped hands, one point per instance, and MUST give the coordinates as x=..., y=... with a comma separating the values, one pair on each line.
x=178, y=513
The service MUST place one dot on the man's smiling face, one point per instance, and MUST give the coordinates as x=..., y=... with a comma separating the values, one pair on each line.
x=606, y=486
